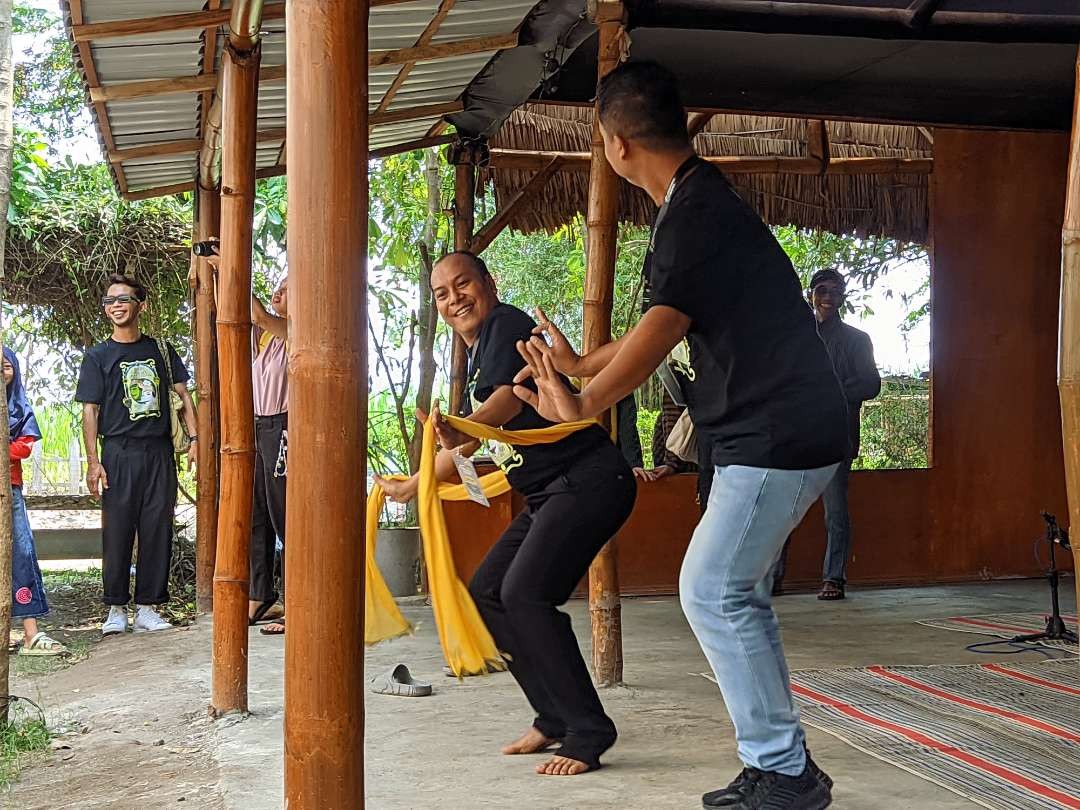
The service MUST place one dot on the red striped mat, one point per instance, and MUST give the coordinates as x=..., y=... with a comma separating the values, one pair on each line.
x=1002, y=735
x=1003, y=625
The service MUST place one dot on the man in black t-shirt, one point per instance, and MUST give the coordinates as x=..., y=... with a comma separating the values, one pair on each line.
x=123, y=385
x=763, y=399
x=578, y=492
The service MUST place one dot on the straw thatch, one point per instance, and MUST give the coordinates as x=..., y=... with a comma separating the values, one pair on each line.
x=888, y=205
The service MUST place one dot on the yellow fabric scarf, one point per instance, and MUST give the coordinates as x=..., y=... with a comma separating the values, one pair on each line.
x=466, y=642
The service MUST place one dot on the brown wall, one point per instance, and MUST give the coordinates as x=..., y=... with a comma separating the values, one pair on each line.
x=997, y=205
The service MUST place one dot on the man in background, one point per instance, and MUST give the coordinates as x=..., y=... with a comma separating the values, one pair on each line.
x=123, y=385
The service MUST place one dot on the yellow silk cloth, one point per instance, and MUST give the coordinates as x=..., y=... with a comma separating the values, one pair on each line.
x=466, y=642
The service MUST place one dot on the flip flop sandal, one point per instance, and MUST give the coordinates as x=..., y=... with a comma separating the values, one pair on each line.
x=267, y=630
x=261, y=611
x=42, y=645
x=399, y=681
x=831, y=592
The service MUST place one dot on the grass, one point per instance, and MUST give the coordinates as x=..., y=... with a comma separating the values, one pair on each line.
x=25, y=738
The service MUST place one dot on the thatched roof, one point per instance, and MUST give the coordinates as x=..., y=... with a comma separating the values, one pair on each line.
x=890, y=205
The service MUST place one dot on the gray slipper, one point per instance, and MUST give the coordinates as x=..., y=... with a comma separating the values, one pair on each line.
x=399, y=681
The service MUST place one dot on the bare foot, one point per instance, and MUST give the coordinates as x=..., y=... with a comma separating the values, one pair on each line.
x=562, y=766
x=531, y=742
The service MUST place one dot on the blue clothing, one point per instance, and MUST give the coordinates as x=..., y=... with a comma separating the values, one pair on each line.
x=21, y=421
x=27, y=588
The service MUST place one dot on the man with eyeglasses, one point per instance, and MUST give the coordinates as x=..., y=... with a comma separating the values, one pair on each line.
x=123, y=385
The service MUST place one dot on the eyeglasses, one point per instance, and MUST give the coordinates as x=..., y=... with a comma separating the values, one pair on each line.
x=109, y=300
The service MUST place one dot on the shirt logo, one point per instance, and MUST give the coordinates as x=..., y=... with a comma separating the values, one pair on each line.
x=141, y=386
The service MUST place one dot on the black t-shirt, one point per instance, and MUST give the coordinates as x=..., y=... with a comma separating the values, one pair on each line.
x=761, y=388
x=128, y=382
x=494, y=361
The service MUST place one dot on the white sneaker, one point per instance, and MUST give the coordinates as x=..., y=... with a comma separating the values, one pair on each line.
x=117, y=621
x=148, y=620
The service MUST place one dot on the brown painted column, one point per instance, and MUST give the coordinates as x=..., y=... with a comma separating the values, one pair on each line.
x=605, y=606
x=240, y=93
x=209, y=224
x=464, y=224
x=1069, y=343
x=324, y=554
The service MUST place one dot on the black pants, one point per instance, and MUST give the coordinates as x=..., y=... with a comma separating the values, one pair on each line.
x=533, y=569
x=141, y=498
x=267, y=505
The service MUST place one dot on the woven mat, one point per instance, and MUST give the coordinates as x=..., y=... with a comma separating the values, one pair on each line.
x=1002, y=735
x=1004, y=625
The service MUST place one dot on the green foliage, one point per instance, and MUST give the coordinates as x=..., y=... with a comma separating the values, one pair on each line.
x=896, y=426
x=69, y=229
x=646, y=420
x=49, y=96
x=24, y=738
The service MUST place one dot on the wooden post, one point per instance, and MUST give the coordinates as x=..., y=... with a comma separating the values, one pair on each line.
x=464, y=222
x=328, y=202
x=1069, y=342
x=605, y=606
x=240, y=97
x=209, y=224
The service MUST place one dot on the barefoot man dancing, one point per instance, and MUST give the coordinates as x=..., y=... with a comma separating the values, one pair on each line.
x=578, y=491
x=763, y=396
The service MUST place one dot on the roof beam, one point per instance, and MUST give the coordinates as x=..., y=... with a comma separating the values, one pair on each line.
x=110, y=29
x=155, y=150
x=424, y=39
x=126, y=91
x=817, y=143
x=413, y=113
x=497, y=224
x=520, y=160
x=697, y=123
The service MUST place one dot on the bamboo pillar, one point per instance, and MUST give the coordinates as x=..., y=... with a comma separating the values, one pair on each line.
x=209, y=224
x=464, y=223
x=328, y=196
x=1069, y=343
x=240, y=92
x=605, y=607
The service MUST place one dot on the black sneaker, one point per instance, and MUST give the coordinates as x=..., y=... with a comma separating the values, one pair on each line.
x=734, y=793
x=775, y=791
x=815, y=769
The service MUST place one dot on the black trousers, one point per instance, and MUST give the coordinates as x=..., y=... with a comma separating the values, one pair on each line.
x=267, y=505
x=533, y=569
x=141, y=499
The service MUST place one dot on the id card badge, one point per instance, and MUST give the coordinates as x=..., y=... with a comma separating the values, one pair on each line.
x=469, y=477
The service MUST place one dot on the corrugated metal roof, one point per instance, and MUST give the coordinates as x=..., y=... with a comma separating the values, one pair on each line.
x=155, y=120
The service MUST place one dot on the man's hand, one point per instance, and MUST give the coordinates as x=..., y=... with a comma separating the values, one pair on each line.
x=552, y=399
x=448, y=437
x=655, y=474
x=563, y=356
x=192, y=455
x=96, y=480
x=397, y=490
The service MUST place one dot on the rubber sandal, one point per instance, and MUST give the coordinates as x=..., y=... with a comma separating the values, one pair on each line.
x=267, y=631
x=42, y=645
x=399, y=681
x=831, y=592
x=261, y=612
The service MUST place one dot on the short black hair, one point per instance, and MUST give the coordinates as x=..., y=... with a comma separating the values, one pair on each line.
x=128, y=281
x=476, y=261
x=640, y=101
x=828, y=274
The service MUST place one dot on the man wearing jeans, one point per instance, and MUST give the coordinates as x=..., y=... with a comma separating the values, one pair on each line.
x=852, y=356
x=763, y=396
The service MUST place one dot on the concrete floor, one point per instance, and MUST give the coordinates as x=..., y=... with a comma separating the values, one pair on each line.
x=676, y=740
x=133, y=731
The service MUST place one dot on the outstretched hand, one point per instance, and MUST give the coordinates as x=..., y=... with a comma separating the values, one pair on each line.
x=552, y=399
x=563, y=356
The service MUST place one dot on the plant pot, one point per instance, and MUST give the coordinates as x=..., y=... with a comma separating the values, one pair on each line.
x=397, y=553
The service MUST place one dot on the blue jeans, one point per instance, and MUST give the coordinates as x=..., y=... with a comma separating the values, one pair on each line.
x=724, y=587
x=27, y=590
x=838, y=525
